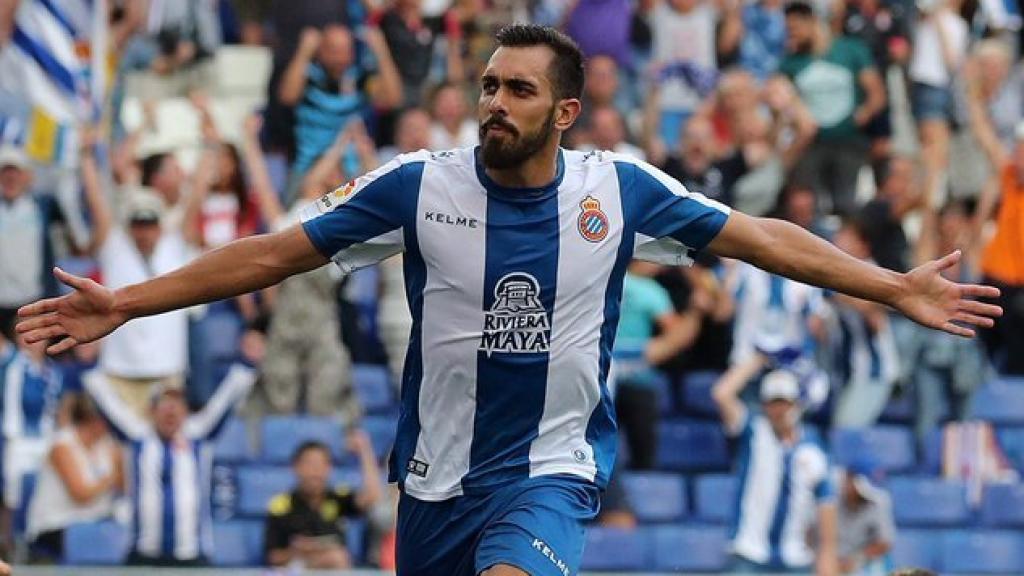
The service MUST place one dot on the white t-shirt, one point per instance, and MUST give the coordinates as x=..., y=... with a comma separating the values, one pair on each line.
x=684, y=38
x=926, y=64
x=52, y=507
x=154, y=346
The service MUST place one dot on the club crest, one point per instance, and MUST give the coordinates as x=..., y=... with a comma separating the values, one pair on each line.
x=593, y=223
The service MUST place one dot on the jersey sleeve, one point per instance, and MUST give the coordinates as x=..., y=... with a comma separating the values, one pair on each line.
x=670, y=221
x=361, y=223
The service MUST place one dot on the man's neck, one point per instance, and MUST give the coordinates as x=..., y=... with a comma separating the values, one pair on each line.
x=536, y=172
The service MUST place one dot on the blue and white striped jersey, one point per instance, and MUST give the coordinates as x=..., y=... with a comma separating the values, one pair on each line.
x=169, y=482
x=781, y=488
x=515, y=296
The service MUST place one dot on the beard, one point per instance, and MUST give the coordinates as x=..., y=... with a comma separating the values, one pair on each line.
x=512, y=149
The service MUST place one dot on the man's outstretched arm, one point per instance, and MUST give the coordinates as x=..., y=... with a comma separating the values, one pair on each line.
x=93, y=311
x=922, y=294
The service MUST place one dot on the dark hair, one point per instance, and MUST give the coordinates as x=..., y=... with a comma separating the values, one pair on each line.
x=235, y=184
x=83, y=409
x=566, y=70
x=307, y=446
x=799, y=8
x=151, y=165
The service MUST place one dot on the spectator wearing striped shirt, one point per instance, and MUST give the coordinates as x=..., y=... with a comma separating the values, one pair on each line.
x=168, y=467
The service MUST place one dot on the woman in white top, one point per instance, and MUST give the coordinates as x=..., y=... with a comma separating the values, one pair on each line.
x=76, y=483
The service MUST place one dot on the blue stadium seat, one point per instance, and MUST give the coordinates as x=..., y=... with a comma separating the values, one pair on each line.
x=372, y=384
x=692, y=446
x=281, y=435
x=696, y=393
x=238, y=543
x=900, y=409
x=663, y=387
x=258, y=484
x=1011, y=440
x=983, y=552
x=382, y=431
x=690, y=548
x=891, y=446
x=918, y=548
x=233, y=446
x=926, y=501
x=615, y=549
x=932, y=453
x=715, y=497
x=655, y=496
x=95, y=544
x=1003, y=505
x=1000, y=401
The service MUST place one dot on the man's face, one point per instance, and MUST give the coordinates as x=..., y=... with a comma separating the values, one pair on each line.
x=799, y=33
x=145, y=234
x=697, y=142
x=313, y=471
x=778, y=412
x=413, y=131
x=899, y=179
x=335, y=53
x=606, y=128
x=801, y=205
x=169, y=179
x=13, y=182
x=602, y=80
x=450, y=106
x=517, y=107
x=169, y=415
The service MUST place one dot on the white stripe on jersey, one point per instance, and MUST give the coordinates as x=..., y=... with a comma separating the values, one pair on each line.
x=452, y=299
x=186, y=503
x=151, y=498
x=573, y=389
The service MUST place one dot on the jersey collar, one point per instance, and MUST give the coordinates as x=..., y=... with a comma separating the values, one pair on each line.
x=525, y=195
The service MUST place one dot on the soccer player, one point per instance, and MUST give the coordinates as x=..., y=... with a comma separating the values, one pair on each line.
x=514, y=257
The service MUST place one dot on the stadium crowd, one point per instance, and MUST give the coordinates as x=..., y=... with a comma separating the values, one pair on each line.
x=768, y=410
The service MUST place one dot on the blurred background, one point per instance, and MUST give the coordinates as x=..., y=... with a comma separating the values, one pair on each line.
x=135, y=134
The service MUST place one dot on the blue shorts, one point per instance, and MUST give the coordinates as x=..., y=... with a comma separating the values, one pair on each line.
x=535, y=525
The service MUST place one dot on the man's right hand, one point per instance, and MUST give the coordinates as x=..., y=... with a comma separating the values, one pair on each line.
x=84, y=315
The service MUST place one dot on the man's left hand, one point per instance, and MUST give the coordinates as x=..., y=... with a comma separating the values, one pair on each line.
x=930, y=299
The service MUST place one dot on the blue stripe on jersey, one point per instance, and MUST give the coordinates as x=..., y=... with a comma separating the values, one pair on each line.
x=781, y=509
x=167, y=484
x=663, y=213
x=777, y=286
x=520, y=270
x=415, y=272
x=135, y=448
x=383, y=205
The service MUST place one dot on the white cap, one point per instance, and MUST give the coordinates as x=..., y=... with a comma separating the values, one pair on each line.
x=143, y=204
x=13, y=156
x=780, y=385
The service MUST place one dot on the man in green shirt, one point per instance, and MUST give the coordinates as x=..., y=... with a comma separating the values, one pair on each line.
x=838, y=81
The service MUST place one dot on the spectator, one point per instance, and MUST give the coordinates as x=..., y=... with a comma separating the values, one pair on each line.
x=946, y=371
x=865, y=522
x=411, y=42
x=76, y=483
x=866, y=358
x=646, y=309
x=799, y=205
x=303, y=343
x=31, y=387
x=995, y=99
x=779, y=460
x=1002, y=261
x=328, y=88
x=685, y=71
x=601, y=28
x=837, y=80
x=451, y=127
x=26, y=253
x=899, y=194
x=696, y=165
x=306, y=527
x=171, y=461
x=939, y=48
x=150, y=351
x=600, y=90
x=764, y=38
x=412, y=133
x=178, y=37
x=608, y=132
x=162, y=173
